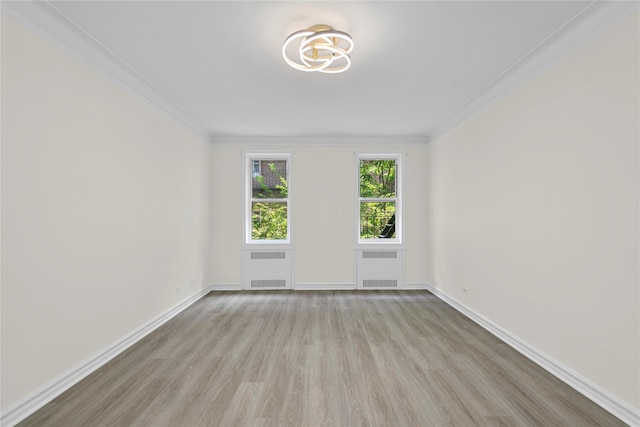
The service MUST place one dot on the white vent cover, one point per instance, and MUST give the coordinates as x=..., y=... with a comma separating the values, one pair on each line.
x=268, y=284
x=369, y=283
x=267, y=269
x=379, y=254
x=268, y=255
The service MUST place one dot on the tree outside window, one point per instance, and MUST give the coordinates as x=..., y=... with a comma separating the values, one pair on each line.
x=378, y=198
x=269, y=204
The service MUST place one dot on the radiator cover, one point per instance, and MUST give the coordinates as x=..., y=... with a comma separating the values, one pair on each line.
x=267, y=269
x=380, y=268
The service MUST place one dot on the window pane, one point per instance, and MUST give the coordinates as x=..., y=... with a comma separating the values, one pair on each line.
x=377, y=220
x=268, y=220
x=377, y=178
x=271, y=181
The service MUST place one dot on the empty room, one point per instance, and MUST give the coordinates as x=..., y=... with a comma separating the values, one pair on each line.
x=301, y=213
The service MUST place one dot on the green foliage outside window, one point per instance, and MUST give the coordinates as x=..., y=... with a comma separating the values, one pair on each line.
x=377, y=183
x=377, y=178
x=269, y=216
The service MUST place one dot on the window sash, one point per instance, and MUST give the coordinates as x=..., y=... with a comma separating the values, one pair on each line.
x=396, y=200
x=251, y=159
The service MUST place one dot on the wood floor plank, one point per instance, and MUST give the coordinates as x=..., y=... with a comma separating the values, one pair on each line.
x=320, y=358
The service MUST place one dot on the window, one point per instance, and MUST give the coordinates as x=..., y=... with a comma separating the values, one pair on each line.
x=267, y=209
x=379, y=218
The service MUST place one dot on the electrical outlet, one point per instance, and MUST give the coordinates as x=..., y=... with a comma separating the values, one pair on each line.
x=178, y=290
x=464, y=290
x=193, y=282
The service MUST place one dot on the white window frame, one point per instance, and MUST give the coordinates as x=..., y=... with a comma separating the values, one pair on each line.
x=399, y=159
x=248, y=160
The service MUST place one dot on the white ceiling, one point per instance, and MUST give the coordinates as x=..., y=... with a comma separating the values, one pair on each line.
x=418, y=68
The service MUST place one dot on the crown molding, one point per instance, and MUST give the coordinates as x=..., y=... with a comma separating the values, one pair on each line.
x=593, y=20
x=43, y=19
x=324, y=141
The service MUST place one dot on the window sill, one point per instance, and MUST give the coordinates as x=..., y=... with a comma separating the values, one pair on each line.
x=267, y=245
x=376, y=243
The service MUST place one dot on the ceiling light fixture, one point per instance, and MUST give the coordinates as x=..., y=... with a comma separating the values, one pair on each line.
x=321, y=48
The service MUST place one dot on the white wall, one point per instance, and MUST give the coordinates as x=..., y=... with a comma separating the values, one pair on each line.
x=104, y=212
x=323, y=203
x=532, y=206
x=534, y=209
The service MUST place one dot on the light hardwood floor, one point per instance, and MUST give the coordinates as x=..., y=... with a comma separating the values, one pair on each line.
x=320, y=359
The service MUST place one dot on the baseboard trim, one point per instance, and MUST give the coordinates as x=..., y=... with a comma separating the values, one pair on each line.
x=48, y=392
x=45, y=394
x=218, y=288
x=321, y=287
x=324, y=286
x=605, y=399
x=416, y=287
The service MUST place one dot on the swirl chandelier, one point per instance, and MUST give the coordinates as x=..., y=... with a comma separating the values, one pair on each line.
x=319, y=48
